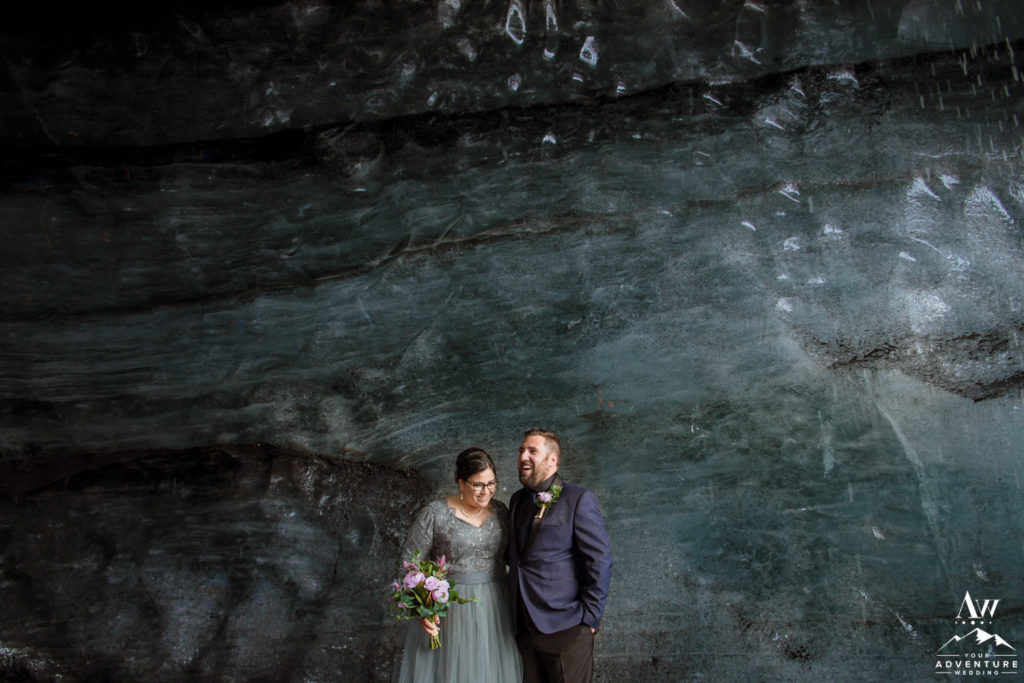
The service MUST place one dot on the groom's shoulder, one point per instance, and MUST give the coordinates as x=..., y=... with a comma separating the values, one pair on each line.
x=574, y=491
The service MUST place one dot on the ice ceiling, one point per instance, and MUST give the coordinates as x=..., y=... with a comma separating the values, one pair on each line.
x=268, y=266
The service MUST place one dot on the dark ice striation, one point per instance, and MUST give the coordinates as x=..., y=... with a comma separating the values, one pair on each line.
x=268, y=266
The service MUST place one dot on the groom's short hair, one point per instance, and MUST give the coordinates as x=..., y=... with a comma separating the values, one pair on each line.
x=550, y=441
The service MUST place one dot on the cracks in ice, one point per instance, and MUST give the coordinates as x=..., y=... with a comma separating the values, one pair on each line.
x=828, y=456
x=927, y=489
x=749, y=31
x=907, y=626
x=920, y=187
x=925, y=357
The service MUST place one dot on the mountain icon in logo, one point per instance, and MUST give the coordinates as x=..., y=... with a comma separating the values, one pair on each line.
x=979, y=637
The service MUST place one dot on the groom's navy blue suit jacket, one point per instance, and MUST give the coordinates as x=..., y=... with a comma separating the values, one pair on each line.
x=561, y=574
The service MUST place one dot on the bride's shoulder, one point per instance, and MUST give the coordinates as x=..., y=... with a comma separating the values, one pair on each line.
x=439, y=505
x=434, y=507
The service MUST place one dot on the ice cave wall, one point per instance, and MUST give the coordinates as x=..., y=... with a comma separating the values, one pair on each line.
x=268, y=266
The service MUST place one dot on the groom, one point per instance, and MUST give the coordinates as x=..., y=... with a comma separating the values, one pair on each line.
x=559, y=567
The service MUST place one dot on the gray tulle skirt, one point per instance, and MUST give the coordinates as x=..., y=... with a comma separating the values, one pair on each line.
x=477, y=643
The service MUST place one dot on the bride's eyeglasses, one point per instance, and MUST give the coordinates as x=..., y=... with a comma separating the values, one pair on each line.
x=479, y=487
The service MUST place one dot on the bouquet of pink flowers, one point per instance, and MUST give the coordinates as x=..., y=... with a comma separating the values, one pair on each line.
x=424, y=592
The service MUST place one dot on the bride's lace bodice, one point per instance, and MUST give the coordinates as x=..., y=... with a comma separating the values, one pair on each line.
x=436, y=531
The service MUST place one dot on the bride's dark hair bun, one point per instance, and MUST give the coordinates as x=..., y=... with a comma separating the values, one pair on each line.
x=471, y=461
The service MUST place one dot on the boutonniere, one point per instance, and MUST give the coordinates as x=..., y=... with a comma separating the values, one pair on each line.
x=546, y=499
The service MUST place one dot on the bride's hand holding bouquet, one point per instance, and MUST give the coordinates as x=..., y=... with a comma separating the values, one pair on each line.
x=425, y=593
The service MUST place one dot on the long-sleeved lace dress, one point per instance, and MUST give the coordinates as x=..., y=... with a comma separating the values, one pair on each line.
x=477, y=643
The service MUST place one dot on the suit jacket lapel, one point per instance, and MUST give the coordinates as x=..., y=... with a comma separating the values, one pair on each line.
x=519, y=538
x=535, y=522
x=513, y=511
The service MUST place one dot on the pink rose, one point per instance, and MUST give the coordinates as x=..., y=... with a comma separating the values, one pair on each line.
x=544, y=497
x=440, y=596
x=432, y=583
x=413, y=579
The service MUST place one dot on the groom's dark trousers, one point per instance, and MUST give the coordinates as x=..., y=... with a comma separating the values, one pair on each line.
x=559, y=573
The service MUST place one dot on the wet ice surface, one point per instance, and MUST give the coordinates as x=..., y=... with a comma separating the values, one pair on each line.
x=214, y=564
x=307, y=302
x=778, y=322
x=160, y=75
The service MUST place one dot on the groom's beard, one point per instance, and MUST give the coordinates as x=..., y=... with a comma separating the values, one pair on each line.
x=534, y=478
x=527, y=479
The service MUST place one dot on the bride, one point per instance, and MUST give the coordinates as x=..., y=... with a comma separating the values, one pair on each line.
x=470, y=529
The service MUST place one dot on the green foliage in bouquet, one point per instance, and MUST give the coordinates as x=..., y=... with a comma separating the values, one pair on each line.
x=424, y=592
